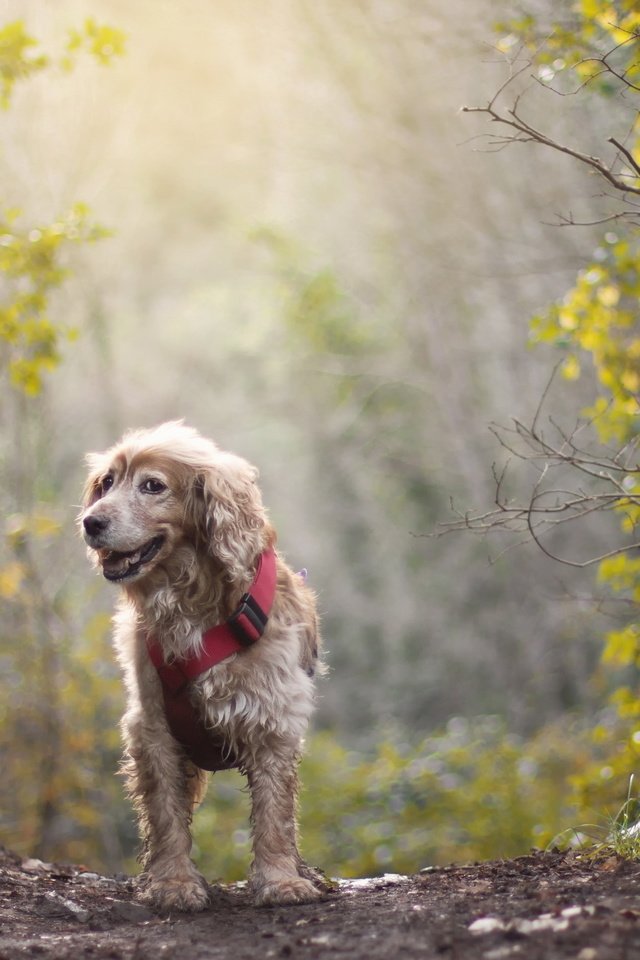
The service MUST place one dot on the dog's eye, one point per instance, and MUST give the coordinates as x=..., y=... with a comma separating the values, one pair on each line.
x=153, y=485
x=106, y=483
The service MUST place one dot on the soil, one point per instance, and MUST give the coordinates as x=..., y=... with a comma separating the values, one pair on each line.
x=545, y=905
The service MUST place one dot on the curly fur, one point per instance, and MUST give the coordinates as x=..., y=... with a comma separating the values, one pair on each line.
x=180, y=524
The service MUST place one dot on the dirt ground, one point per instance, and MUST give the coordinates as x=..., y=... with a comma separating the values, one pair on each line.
x=546, y=905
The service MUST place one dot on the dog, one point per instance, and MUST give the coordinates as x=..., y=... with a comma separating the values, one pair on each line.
x=180, y=526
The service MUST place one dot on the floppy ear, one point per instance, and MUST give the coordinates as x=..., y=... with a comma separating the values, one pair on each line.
x=229, y=514
x=91, y=492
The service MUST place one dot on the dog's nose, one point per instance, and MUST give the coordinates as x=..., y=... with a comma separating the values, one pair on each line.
x=95, y=525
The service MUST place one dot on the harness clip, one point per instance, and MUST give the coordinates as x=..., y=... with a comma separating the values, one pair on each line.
x=248, y=621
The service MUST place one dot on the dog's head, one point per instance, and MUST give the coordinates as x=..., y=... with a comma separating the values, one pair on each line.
x=162, y=489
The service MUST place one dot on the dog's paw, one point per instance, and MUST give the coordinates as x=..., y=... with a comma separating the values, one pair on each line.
x=317, y=877
x=188, y=894
x=291, y=890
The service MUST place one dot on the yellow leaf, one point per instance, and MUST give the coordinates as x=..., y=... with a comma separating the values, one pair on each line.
x=590, y=8
x=11, y=579
x=44, y=526
x=567, y=319
x=622, y=646
x=630, y=381
x=608, y=295
x=505, y=44
x=587, y=68
x=571, y=368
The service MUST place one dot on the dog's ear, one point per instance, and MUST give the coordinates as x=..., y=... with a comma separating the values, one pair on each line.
x=93, y=484
x=228, y=515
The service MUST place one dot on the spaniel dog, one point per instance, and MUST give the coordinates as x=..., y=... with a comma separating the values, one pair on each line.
x=180, y=526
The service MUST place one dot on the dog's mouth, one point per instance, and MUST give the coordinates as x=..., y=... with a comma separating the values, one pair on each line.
x=119, y=565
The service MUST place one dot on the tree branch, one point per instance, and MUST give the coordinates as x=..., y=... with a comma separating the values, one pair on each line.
x=512, y=118
x=549, y=505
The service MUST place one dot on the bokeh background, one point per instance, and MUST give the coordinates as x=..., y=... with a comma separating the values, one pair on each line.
x=314, y=261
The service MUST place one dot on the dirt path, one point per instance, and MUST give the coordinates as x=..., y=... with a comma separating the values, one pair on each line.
x=547, y=906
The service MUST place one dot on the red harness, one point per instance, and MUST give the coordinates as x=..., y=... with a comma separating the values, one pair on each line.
x=244, y=627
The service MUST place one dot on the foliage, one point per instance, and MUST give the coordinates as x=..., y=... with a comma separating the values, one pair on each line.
x=57, y=731
x=59, y=741
x=32, y=257
x=596, y=51
x=595, y=43
x=321, y=319
x=469, y=793
x=597, y=318
x=31, y=261
x=99, y=40
x=624, y=832
x=18, y=60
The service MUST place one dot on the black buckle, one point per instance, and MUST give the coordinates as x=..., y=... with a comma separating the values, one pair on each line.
x=251, y=609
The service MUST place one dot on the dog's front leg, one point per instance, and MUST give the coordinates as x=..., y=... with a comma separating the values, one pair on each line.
x=165, y=786
x=273, y=781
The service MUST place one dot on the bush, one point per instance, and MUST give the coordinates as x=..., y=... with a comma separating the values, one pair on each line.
x=472, y=792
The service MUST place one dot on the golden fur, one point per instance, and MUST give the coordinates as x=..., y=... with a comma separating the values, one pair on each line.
x=179, y=524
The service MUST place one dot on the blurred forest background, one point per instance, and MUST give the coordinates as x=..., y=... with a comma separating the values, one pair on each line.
x=302, y=249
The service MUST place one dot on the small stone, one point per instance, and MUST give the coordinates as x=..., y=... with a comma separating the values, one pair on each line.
x=132, y=912
x=32, y=865
x=487, y=925
x=53, y=905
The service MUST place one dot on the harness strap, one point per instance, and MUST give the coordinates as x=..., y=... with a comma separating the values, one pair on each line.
x=244, y=627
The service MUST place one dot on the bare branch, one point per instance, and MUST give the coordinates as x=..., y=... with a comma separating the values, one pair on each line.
x=568, y=221
x=511, y=117
x=515, y=121
x=626, y=153
x=601, y=480
x=550, y=505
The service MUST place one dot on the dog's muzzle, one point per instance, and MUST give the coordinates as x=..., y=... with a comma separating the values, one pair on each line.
x=117, y=565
